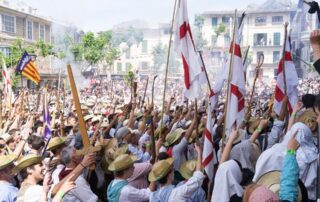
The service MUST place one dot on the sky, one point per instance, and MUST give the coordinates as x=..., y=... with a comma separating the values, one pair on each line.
x=97, y=15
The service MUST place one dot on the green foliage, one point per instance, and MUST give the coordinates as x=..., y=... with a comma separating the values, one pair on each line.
x=159, y=56
x=199, y=21
x=128, y=78
x=44, y=49
x=221, y=28
x=94, y=49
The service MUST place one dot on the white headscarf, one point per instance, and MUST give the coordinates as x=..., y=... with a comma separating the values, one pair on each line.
x=272, y=159
x=227, y=182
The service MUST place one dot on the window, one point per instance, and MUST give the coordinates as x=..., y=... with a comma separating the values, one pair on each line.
x=41, y=32
x=277, y=19
x=276, y=56
x=225, y=19
x=261, y=20
x=259, y=53
x=145, y=46
x=128, y=66
x=5, y=51
x=214, y=21
x=128, y=53
x=144, y=65
x=8, y=23
x=260, y=39
x=276, y=39
x=119, y=67
x=214, y=40
x=29, y=30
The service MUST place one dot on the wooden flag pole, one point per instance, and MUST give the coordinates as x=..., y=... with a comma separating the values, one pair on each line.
x=229, y=79
x=63, y=107
x=145, y=92
x=258, y=67
x=167, y=67
x=284, y=57
x=85, y=139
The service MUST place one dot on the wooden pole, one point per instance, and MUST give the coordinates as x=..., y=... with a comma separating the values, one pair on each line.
x=229, y=79
x=63, y=107
x=205, y=71
x=284, y=57
x=258, y=67
x=167, y=67
x=145, y=92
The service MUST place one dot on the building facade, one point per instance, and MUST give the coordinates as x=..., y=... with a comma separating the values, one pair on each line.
x=263, y=32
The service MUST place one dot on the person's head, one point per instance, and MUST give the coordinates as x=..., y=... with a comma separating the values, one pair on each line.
x=308, y=100
x=317, y=108
x=36, y=142
x=162, y=172
x=2, y=146
x=30, y=167
x=72, y=121
x=122, y=167
x=69, y=157
x=256, y=193
x=6, y=166
x=309, y=118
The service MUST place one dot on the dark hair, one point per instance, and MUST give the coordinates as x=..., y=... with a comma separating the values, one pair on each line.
x=163, y=156
x=164, y=179
x=308, y=100
x=23, y=174
x=36, y=142
x=317, y=102
x=118, y=173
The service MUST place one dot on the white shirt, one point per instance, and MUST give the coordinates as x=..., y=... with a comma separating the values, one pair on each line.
x=185, y=191
x=56, y=172
x=82, y=192
x=131, y=194
x=143, y=139
x=33, y=194
x=179, y=153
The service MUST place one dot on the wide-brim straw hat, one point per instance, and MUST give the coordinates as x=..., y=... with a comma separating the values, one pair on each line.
x=27, y=161
x=174, y=136
x=109, y=147
x=88, y=117
x=122, y=162
x=56, y=142
x=160, y=169
x=6, y=160
x=187, y=169
x=271, y=180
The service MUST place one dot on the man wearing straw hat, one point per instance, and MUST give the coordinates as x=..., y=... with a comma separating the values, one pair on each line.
x=8, y=192
x=119, y=190
x=162, y=172
x=31, y=171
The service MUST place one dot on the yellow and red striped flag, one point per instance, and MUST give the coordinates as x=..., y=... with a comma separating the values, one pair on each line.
x=28, y=69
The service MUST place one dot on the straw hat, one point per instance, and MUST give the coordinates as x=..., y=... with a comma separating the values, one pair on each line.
x=187, y=168
x=96, y=119
x=271, y=180
x=172, y=137
x=157, y=131
x=104, y=124
x=56, y=142
x=122, y=162
x=193, y=136
x=160, y=169
x=6, y=160
x=88, y=117
x=109, y=147
x=27, y=161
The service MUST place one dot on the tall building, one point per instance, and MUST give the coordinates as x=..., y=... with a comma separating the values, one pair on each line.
x=140, y=55
x=263, y=31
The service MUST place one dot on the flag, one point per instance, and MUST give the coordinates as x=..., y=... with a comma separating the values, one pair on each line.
x=291, y=82
x=28, y=69
x=209, y=154
x=46, y=117
x=185, y=46
x=237, y=88
x=7, y=83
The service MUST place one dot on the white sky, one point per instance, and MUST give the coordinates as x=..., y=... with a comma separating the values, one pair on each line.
x=96, y=15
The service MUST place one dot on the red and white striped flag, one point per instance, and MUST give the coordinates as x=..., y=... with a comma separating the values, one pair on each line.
x=209, y=158
x=291, y=82
x=185, y=46
x=7, y=83
x=237, y=87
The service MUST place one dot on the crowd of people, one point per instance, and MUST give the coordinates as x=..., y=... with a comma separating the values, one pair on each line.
x=140, y=151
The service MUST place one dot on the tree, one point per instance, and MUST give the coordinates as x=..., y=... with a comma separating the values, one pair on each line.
x=159, y=56
x=221, y=28
x=200, y=42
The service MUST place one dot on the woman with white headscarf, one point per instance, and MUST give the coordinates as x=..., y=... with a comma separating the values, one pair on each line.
x=272, y=159
x=227, y=183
